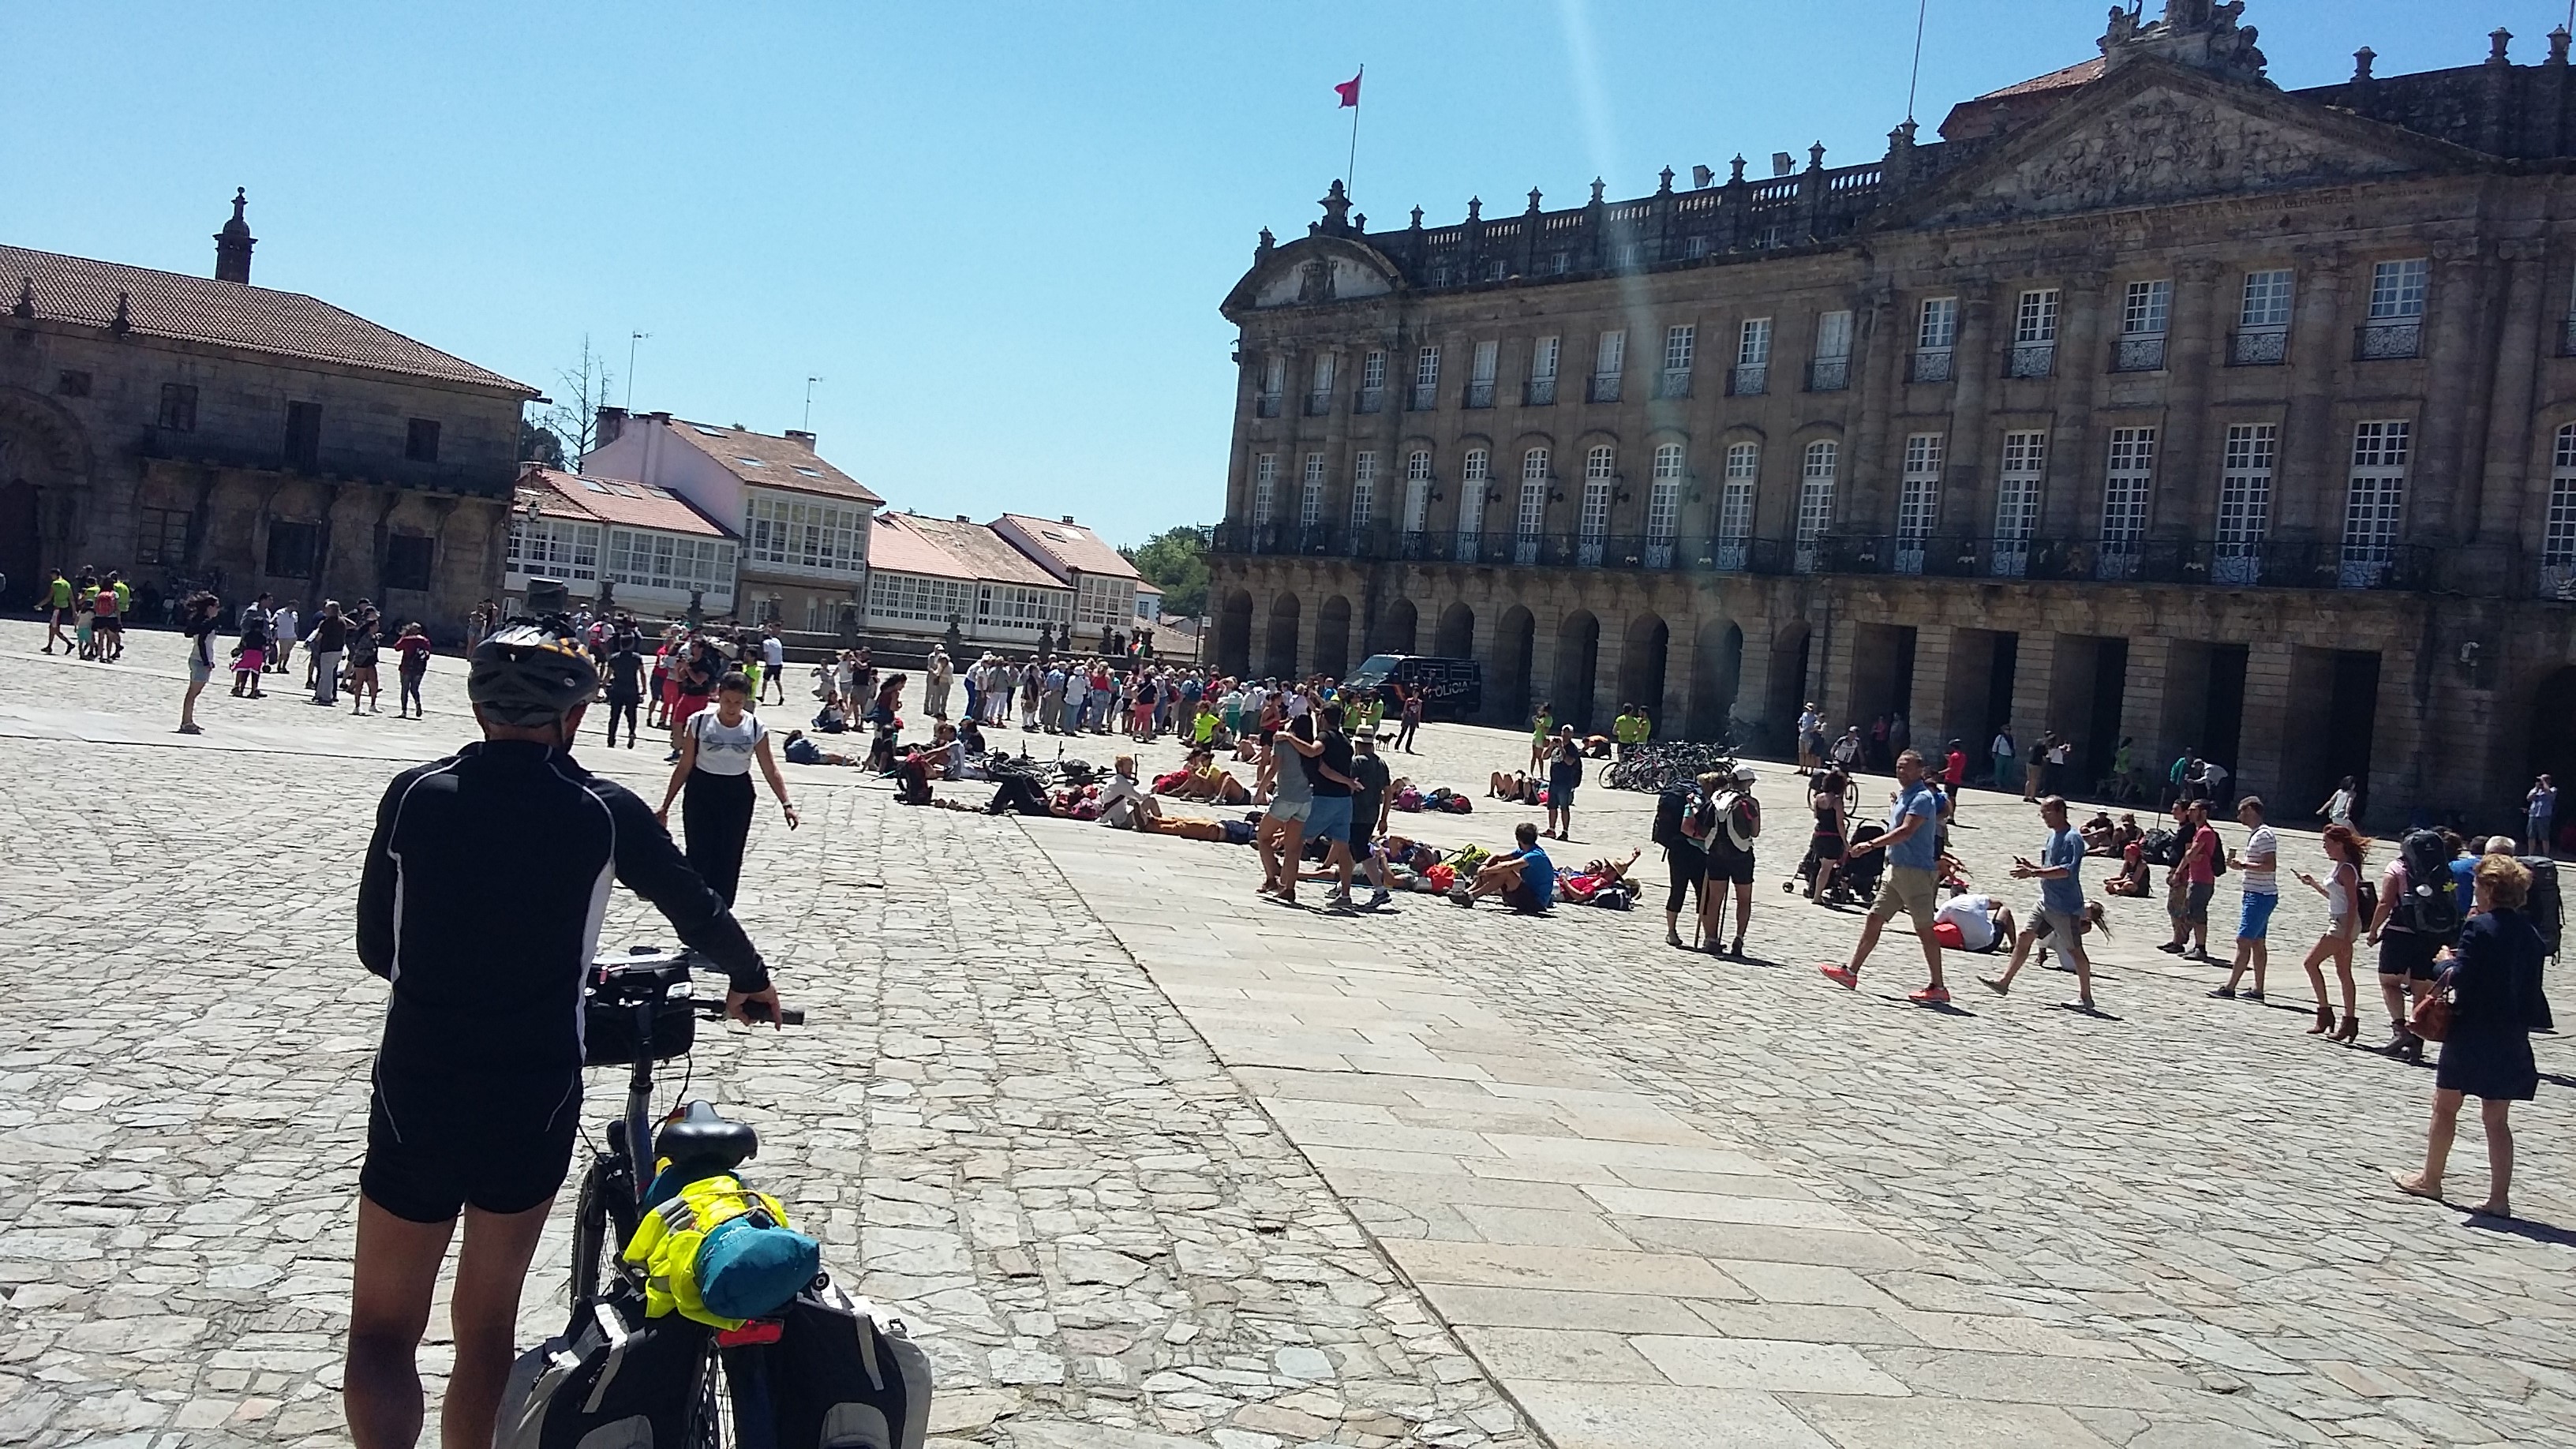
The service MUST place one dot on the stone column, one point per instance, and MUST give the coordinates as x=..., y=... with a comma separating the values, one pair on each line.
x=1753, y=689
x=2459, y=373
x=2310, y=466
x=2034, y=680
x=1865, y=468
x=2192, y=349
x=1927, y=702
x=2488, y=512
x=2081, y=376
x=2265, y=741
x=1969, y=507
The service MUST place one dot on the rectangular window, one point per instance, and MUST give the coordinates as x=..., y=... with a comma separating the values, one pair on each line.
x=1417, y=490
x=1543, y=358
x=806, y=534
x=1274, y=374
x=550, y=547
x=72, y=382
x=1363, y=490
x=2146, y=309
x=1532, y=518
x=1265, y=488
x=303, y=436
x=420, y=440
x=2035, y=321
x=1918, y=499
x=1426, y=367
x=1833, y=335
x=1610, y=354
x=161, y=536
x=1319, y=386
x=1480, y=374
x=407, y=561
x=1373, y=370
x=2376, y=503
x=1664, y=505
x=2128, y=478
x=290, y=549
x=1475, y=474
x=2025, y=465
x=1938, y=329
x=2558, y=525
x=1735, y=504
x=1815, y=501
x=1600, y=465
x=2266, y=300
x=1753, y=342
x=179, y=407
x=2397, y=289
x=2244, y=502
x=1310, y=498
x=1678, y=342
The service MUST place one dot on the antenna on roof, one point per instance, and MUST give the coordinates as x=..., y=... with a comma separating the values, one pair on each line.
x=809, y=402
x=1915, y=75
x=631, y=339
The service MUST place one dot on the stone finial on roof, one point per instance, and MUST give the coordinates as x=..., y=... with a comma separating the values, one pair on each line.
x=1475, y=208
x=1417, y=218
x=2558, y=46
x=1816, y=157
x=1533, y=198
x=1735, y=170
x=1267, y=242
x=123, y=321
x=2497, y=40
x=233, y=243
x=1597, y=189
x=1337, y=208
x=1666, y=175
x=2361, y=60
x=26, y=303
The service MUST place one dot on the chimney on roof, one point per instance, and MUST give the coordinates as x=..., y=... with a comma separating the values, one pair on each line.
x=607, y=426
x=962, y=518
x=799, y=435
x=1068, y=518
x=233, y=243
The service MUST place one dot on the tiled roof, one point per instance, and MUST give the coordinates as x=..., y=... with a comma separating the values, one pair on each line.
x=771, y=462
x=989, y=554
x=633, y=505
x=2082, y=72
x=201, y=309
x=1073, y=545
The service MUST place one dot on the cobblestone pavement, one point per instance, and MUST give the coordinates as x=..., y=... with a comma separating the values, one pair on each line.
x=994, y=1121
x=1140, y=1155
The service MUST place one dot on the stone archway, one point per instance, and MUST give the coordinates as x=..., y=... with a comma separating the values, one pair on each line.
x=1456, y=637
x=1578, y=659
x=1279, y=650
x=1333, y=637
x=1515, y=644
x=1234, y=634
x=1717, y=673
x=1396, y=629
x=2553, y=745
x=1788, y=676
x=1642, y=659
x=44, y=470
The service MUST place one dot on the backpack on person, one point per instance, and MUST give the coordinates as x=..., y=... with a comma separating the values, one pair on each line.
x=1741, y=814
x=2429, y=908
x=1672, y=808
x=2542, y=909
x=2161, y=847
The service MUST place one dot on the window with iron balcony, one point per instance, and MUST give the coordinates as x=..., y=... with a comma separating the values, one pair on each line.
x=2262, y=335
x=2395, y=328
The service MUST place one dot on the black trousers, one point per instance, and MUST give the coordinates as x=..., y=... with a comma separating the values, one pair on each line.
x=625, y=708
x=715, y=810
x=1689, y=872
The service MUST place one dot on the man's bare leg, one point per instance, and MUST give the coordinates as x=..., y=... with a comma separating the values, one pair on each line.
x=491, y=1268
x=395, y=1275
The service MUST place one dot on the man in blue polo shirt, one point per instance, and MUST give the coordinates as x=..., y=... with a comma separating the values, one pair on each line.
x=1913, y=854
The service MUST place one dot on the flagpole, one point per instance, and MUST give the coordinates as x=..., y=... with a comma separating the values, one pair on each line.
x=1350, y=168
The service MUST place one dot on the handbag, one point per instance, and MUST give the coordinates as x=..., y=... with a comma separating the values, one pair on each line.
x=2432, y=1016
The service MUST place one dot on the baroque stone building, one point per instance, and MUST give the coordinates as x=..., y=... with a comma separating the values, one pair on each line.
x=200, y=431
x=2151, y=401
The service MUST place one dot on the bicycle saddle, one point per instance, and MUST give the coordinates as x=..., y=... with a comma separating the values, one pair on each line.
x=701, y=1139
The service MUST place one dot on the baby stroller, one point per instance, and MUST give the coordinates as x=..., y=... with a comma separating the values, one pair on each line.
x=1855, y=877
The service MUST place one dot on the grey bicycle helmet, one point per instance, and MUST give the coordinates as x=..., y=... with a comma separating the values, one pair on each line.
x=532, y=672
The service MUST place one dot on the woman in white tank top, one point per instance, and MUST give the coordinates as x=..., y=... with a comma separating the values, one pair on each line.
x=717, y=750
x=2342, y=890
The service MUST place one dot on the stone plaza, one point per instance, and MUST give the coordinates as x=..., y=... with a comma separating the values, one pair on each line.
x=1145, y=1160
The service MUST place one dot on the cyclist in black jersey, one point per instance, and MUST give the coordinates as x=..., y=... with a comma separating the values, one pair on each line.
x=480, y=904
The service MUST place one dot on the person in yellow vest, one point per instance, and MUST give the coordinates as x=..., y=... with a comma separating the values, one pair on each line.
x=1630, y=729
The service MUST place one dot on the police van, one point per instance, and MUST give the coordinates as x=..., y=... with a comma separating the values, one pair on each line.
x=1450, y=688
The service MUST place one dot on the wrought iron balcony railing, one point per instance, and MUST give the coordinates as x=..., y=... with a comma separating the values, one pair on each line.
x=1829, y=374
x=2388, y=340
x=2030, y=359
x=2263, y=347
x=1931, y=364
x=2139, y=354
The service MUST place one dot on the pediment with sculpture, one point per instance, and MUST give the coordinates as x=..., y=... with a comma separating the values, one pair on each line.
x=2156, y=135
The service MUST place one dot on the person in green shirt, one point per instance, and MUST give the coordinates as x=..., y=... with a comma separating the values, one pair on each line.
x=1542, y=732
x=1630, y=729
x=58, y=599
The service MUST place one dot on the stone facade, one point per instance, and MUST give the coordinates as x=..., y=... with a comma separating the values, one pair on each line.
x=2159, y=404
x=201, y=432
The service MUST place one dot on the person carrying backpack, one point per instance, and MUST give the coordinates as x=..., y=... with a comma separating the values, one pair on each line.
x=1737, y=820
x=2411, y=927
x=1683, y=833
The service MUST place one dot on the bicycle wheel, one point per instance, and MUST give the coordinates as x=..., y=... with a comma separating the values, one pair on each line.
x=589, y=1236
x=712, y=1425
x=1851, y=797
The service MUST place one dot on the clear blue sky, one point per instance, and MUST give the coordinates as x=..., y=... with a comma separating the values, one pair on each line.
x=998, y=232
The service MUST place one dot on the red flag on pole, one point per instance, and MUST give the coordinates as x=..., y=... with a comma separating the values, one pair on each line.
x=1349, y=91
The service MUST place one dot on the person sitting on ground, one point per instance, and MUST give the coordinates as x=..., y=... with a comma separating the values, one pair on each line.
x=2133, y=877
x=831, y=719
x=1979, y=922
x=1123, y=805
x=2099, y=835
x=1514, y=786
x=1525, y=879
x=1203, y=778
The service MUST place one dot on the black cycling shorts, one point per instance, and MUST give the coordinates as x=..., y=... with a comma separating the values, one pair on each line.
x=2405, y=953
x=432, y=1151
x=1729, y=865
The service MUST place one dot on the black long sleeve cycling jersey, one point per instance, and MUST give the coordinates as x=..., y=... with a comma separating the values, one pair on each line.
x=481, y=903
